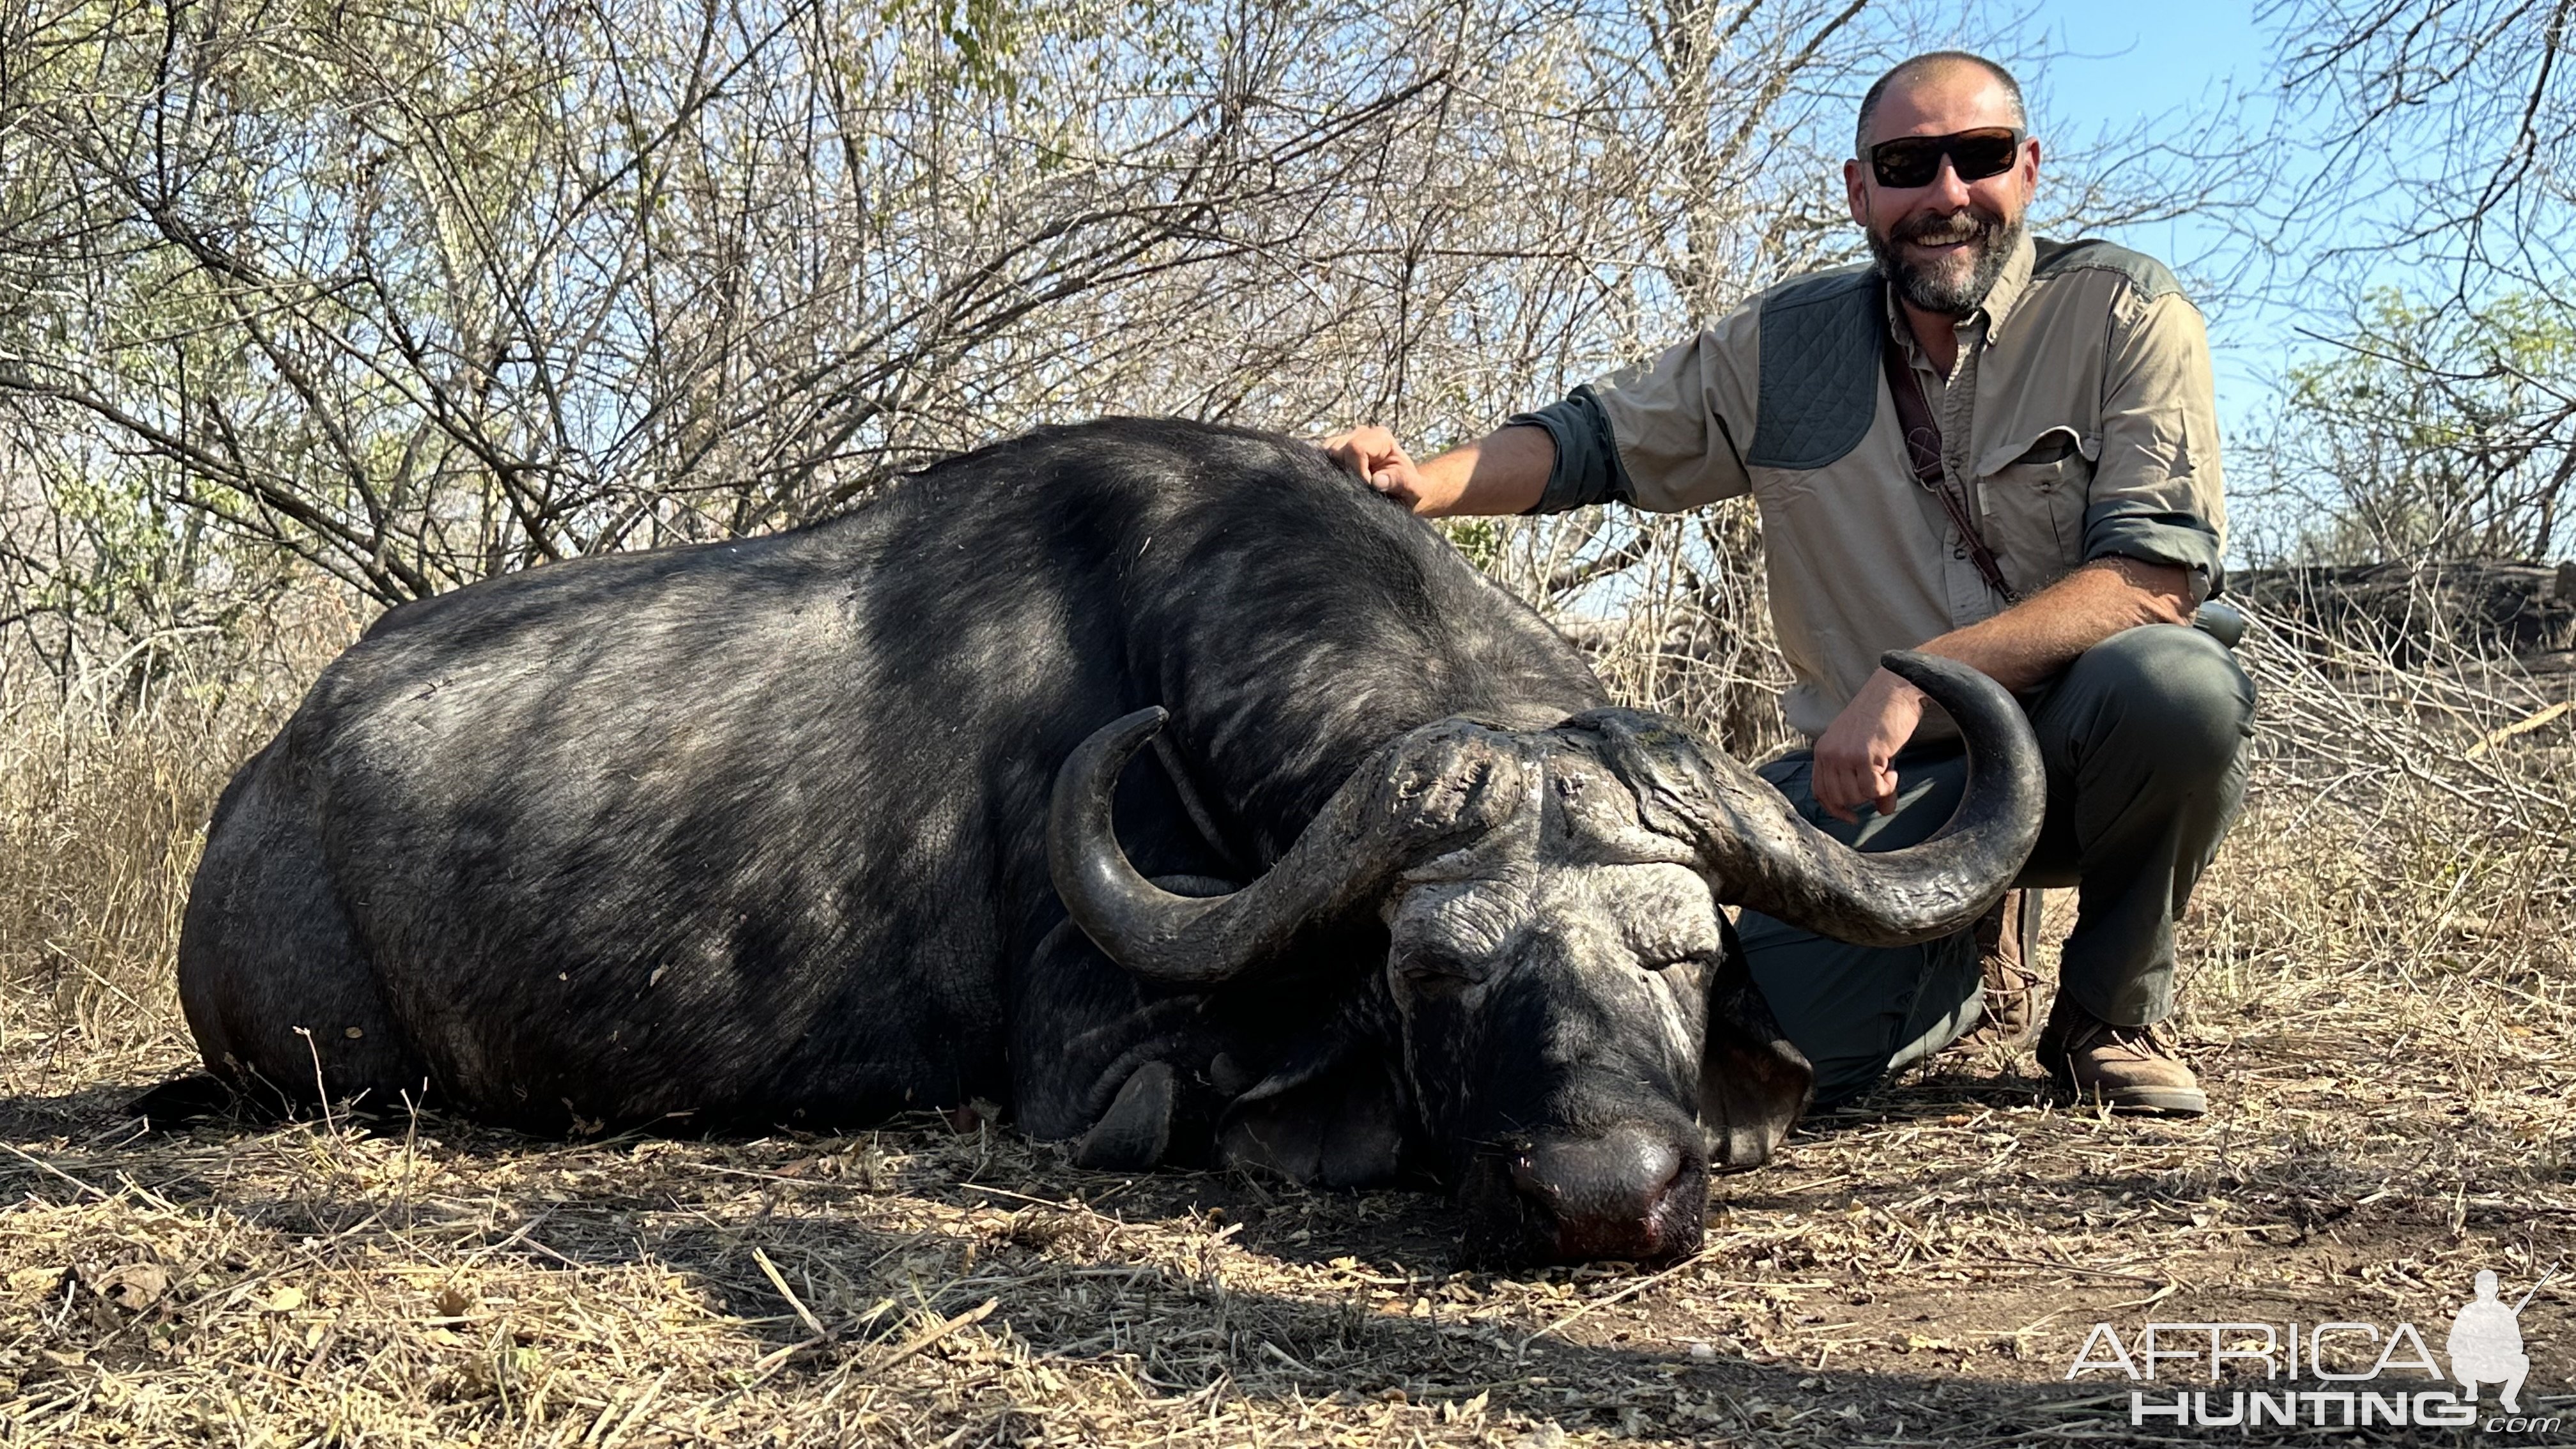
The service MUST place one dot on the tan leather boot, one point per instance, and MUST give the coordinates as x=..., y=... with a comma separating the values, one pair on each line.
x=2004, y=935
x=2126, y=1068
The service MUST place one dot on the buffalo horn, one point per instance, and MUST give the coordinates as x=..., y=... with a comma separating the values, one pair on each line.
x=1424, y=792
x=1756, y=851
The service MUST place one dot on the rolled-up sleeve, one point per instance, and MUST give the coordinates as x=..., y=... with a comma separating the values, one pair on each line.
x=2157, y=492
x=1587, y=468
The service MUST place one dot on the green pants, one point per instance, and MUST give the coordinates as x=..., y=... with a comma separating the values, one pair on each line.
x=2144, y=740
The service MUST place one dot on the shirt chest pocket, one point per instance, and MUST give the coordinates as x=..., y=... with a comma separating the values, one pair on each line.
x=2031, y=492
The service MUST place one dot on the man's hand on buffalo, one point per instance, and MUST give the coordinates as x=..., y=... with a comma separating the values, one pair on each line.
x=1380, y=461
x=1503, y=472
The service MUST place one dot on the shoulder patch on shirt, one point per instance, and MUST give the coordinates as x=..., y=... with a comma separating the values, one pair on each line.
x=1819, y=371
x=2151, y=277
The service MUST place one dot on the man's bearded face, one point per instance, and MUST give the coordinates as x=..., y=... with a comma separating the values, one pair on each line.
x=1946, y=263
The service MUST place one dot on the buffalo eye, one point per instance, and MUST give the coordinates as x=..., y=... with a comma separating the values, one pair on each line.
x=1433, y=965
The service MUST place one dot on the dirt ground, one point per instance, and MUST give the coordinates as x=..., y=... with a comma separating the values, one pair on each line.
x=1921, y=1270
x=2377, y=987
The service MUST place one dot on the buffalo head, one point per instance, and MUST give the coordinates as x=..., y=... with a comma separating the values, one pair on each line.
x=1574, y=1035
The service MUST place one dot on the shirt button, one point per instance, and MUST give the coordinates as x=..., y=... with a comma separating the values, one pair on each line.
x=1958, y=553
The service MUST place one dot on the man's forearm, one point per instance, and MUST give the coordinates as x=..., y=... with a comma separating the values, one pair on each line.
x=2017, y=649
x=2042, y=634
x=1503, y=472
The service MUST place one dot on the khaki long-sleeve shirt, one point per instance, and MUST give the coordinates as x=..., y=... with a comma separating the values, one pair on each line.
x=2079, y=421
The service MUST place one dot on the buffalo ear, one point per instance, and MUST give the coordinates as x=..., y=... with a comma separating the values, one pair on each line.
x=1754, y=1083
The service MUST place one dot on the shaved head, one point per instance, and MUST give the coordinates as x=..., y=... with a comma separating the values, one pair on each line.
x=1943, y=239
x=1925, y=67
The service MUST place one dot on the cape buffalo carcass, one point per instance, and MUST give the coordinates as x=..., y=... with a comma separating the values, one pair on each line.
x=817, y=828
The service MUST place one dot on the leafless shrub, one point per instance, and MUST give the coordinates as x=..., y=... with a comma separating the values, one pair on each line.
x=415, y=295
x=419, y=296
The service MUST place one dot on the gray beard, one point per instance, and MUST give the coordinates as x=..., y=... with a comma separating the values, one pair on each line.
x=1935, y=294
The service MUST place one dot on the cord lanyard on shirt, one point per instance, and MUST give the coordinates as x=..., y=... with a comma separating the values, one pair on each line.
x=1923, y=451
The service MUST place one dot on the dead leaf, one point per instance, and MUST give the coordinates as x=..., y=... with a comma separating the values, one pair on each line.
x=131, y=1286
x=35, y=1282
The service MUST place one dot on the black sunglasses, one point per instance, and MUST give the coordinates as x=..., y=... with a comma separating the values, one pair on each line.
x=1975, y=155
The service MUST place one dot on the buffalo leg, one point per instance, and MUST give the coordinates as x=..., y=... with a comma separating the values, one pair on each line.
x=1136, y=1132
x=1121, y=1063
x=274, y=983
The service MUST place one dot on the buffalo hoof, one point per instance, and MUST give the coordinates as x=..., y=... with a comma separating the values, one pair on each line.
x=1137, y=1129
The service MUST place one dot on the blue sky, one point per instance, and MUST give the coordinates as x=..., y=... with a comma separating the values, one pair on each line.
x=2164, y=66
x=2122, y=64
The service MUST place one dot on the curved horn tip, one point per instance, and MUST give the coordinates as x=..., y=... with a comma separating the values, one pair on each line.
x=1122, y=737
x=1916, y=667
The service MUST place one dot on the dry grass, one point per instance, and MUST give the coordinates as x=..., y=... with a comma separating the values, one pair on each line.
x=100, y=823
x=2378, y=993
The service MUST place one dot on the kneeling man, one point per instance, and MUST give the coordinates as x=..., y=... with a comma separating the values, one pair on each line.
x=1985, y=446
